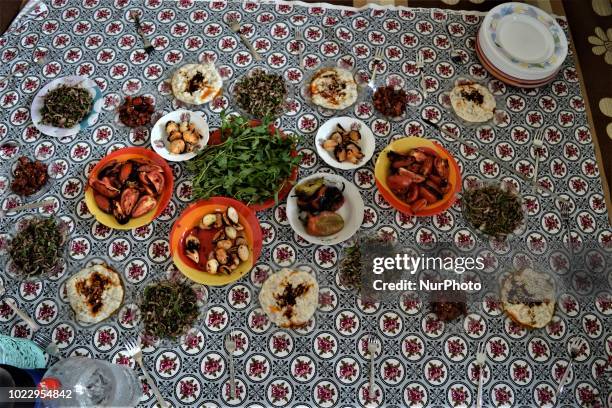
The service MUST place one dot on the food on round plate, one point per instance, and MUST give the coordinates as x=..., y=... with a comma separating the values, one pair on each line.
x=196, y=83
x=472, y=102
x=261, y=94
x=37, y=247
x=492, y=210
x=390, y=101
x=419, y=177
x=183, y=137
x=169, y=308
x=29, y=176
x=252, y=164
x=528, y=297
x=128, y=189
x=318, y=203
x=290, y=297
x=95, y=293
x=230, y=246
x=333, y=88
x=66, y=106
x=344, y=144
x=136, y=111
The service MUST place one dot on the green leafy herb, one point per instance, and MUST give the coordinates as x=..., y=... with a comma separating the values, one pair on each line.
x=37, y=248
x=66, y=106
x=250, y=165
x=492, y=210
x=261, y=94
x=168, y=309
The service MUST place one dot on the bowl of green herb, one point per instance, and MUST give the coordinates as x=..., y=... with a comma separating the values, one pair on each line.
x=67, y=105
x=169, y=308
x=260, y=94
x=493, y=209
x=250, y=161
x=36, y=247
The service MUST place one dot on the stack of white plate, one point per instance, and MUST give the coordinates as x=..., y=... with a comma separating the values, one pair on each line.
x=521, y=45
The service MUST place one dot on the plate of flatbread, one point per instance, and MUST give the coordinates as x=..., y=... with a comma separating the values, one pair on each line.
x=528, y=297
x=290, y=297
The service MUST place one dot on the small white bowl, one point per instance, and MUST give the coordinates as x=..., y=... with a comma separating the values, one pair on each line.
x=367, y=142
x=159, y=138
x=351, y=211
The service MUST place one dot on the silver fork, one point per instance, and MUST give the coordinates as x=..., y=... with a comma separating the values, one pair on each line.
x=378, y=58
x=28, y=206
x=299, y=38
x=420, y=63
x=234, y=25
x=133, y=349
x=481, y=356
x=538, y=142
x=455, y=55
x=230, y=346
x=46, y=343
x=22, y=315
x=373, y=347
x=574, y=351
x=565, y=208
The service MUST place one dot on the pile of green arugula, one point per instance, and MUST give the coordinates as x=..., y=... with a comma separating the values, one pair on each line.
x=250, y=165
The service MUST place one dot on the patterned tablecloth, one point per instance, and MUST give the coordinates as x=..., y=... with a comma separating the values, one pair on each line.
x=325, y=364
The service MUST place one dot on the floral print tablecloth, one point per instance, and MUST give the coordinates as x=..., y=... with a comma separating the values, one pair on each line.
x=424, y=361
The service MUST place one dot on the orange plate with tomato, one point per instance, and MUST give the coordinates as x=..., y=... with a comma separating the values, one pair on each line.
x=216, y=138
x=147, y=204
x=187, y=224
x=417, y=176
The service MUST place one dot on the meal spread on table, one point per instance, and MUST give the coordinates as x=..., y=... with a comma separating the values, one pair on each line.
x=254, y=159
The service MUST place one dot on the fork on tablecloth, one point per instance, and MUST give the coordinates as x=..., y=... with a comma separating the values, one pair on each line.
x=373, y=348
x=133, y=349
x=230, y=346
x=378, y=58
x=148, y=47
x=480, y=360
x=299, y=39
x=420, y=63
x=234, y=25
x=574, y=350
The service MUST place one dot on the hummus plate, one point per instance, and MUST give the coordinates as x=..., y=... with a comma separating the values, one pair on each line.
x=196, y=84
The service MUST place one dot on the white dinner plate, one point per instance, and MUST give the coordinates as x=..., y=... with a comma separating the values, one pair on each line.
x=73, y=80
x=523, y=41
x=159, y=138
x=351, y=211
x=367, y=142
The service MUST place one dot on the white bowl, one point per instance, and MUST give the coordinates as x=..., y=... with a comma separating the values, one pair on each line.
x=73, y=80
x=159, y=138
x=367, y=142
x=351, y=211
x=523, y=41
